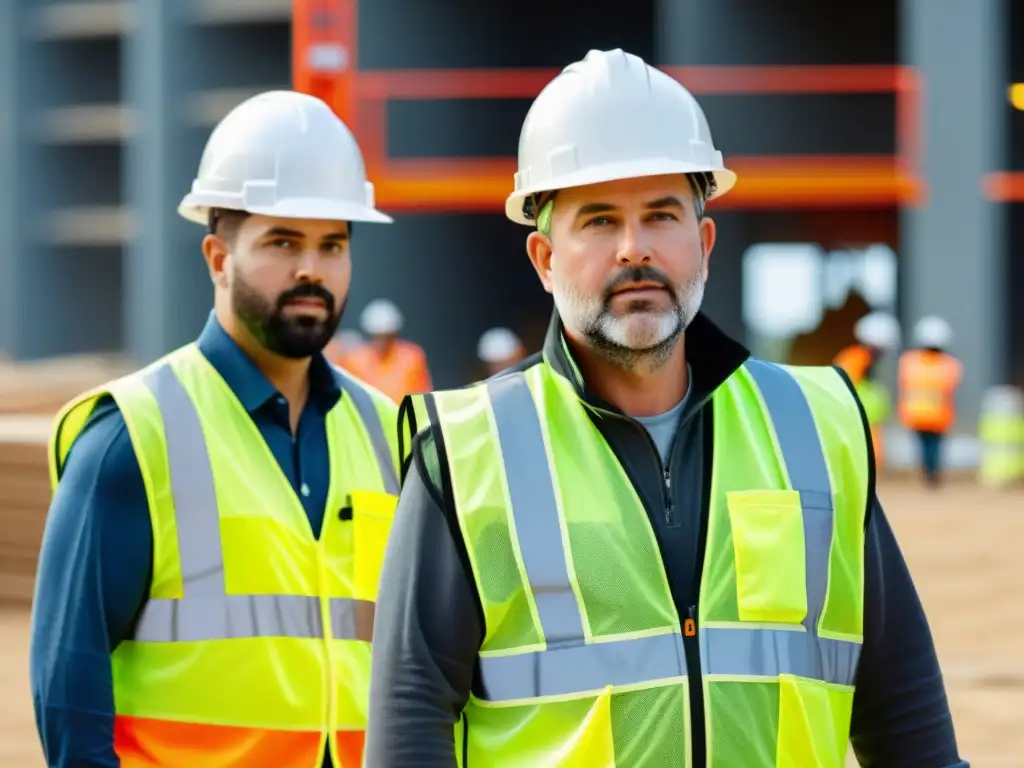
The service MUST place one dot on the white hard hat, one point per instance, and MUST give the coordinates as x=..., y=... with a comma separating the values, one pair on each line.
x=1003, y=401
x=497, y=345
x=381, y=317
x=607, y=117
x=282, y=153
x=349, y=337
x=878, y=329
x=932, y=331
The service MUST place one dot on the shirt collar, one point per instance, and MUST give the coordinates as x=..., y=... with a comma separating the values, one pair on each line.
x=712, y=356
x=250, y=386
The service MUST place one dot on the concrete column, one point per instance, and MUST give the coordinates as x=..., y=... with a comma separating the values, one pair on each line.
x=19, y=175
x=166, y=294
x=677, y=43
x=9, y=245
x=952, y=249
x=677, y=33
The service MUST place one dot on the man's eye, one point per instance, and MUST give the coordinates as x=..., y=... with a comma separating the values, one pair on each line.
x=599, y=221
x=281, y=243
x=664, y=216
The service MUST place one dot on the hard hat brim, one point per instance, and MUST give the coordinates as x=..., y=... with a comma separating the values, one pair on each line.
x=381, y=330
x=197, y=210
x=633, y=169
x=493, y=356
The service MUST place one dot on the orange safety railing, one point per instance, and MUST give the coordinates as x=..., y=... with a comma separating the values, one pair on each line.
x=482, y=184
x=1004, y=186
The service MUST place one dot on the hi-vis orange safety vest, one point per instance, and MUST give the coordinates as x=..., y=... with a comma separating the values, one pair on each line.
x=253, y=649
x=928, y=384
x=403, y=371
x=855, y=360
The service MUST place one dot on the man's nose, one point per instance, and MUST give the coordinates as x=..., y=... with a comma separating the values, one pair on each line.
x=633, y=251
x=308, y=268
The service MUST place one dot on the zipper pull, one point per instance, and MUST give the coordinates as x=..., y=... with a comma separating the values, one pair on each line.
x=667, y=495
x=690, y=624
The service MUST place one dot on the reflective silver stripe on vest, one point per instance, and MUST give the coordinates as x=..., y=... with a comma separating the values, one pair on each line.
x=772, y=652
x=569, y=665
x=229, y=616
x=725, y=652
x=370, y=417
x=535, y=510
x=579, y=668
x=808, y=473
x=206, y=611
x=352, y=619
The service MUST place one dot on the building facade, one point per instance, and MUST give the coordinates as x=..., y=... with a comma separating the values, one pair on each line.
x=851, y=127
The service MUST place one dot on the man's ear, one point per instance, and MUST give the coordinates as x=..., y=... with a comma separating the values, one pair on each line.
x=538, y=248
x=708, y=234
x=216, y=253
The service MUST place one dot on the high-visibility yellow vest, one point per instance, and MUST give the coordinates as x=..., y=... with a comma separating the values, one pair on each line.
x=876, y=400
x=253, y=649
x=583, y=661
x=1001, y=434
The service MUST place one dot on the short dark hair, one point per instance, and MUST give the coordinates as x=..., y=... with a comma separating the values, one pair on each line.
x=224, y=223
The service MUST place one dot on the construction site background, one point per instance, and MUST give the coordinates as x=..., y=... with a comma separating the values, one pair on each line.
x=877, y=173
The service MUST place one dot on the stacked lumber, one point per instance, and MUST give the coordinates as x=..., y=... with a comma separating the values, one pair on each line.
x=24, y=498
x=30, y=394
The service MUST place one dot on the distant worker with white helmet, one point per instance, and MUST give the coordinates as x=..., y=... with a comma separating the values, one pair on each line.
x=396, y=366
x=877, y=334
x=499, y=349
x=929, y=376
x=344, y=342
x=206, y=589
x=643, y=547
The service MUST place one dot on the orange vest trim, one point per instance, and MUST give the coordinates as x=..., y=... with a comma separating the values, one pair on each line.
x=148, y=743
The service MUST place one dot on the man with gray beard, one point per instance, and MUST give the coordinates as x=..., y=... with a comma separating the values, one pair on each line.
x=642, y=547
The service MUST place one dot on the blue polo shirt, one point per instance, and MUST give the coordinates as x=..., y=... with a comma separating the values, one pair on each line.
x=96, y=560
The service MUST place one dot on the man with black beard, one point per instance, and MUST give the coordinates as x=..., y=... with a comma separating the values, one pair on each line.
x=643, y=547
x=207, y=582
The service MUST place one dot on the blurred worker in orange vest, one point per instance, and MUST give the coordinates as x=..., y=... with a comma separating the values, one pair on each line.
x=343, y=344
x=394, y=366
x=498, y=349
x=876, y=333
x=929, y=377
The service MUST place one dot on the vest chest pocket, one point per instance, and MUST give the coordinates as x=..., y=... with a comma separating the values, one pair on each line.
x=769, y=552
x=814, y=723
x=372, y=515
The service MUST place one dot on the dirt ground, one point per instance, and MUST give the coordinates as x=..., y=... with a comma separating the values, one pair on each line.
x=965, y=548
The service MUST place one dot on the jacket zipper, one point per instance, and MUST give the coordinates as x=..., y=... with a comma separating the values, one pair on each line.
x=666, y=489
x=691, y=641
x=691, y=635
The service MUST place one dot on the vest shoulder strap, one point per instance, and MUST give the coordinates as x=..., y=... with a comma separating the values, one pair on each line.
x=418, y=413
x=130, y=394
x=414, y=416
x=822, y=430
x=377, y=413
